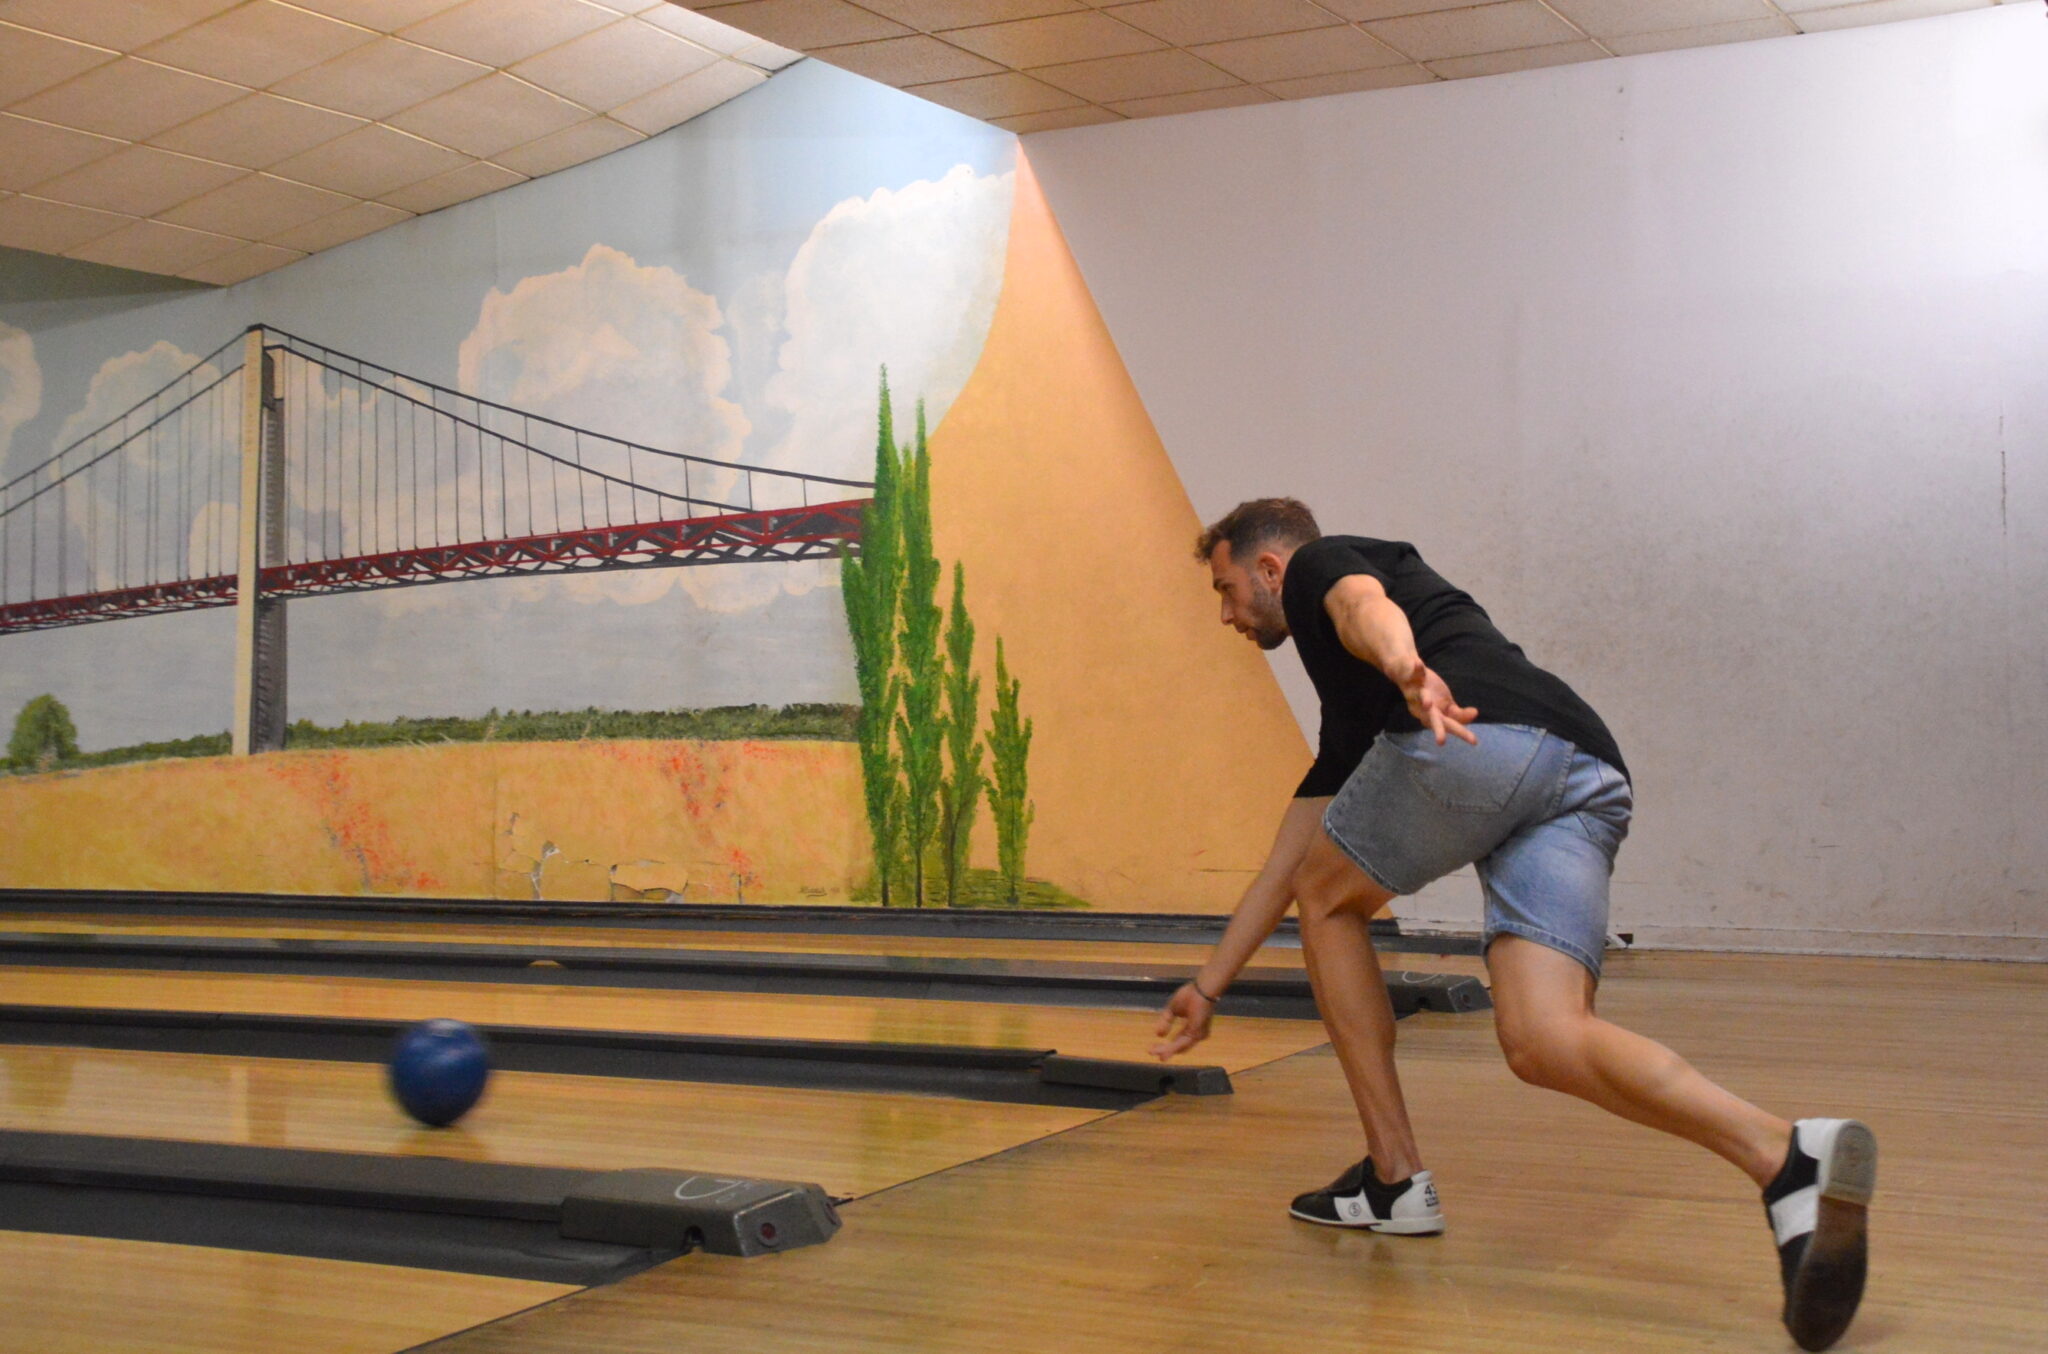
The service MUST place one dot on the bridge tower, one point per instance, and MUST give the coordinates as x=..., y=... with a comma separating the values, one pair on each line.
x=259, y=620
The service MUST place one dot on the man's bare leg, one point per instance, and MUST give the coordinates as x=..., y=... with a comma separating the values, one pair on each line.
x=1543, y=1011
x=1336, y=901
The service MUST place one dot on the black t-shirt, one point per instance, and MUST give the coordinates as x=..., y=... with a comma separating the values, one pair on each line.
x=1453, y=634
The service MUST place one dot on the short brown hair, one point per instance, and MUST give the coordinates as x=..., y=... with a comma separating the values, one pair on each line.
x=1257, y=522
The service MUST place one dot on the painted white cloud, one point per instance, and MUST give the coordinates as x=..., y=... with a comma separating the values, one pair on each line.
x=21, y=385
x=905, y=278
x=625, y=350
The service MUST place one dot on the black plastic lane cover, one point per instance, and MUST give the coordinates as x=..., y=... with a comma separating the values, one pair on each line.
x=423, y=1212
x=1005, y=1075
x=988, y=923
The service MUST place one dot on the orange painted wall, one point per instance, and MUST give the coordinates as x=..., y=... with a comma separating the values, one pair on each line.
x=652, y=820
x=1164, y=751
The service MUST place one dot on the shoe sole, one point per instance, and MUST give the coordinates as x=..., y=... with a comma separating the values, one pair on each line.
x=1395, y=1227
x=1829, y=1282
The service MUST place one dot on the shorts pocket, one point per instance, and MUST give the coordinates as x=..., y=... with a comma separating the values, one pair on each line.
x=1467, y=779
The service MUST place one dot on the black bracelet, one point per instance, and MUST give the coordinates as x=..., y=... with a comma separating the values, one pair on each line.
x=1213, y=1001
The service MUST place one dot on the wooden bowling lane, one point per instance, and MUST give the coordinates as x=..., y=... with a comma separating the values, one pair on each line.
x=1238, y=1042
x=1165, y=1229
x=784, y=942
x=88, y=1295
x=851, y=1143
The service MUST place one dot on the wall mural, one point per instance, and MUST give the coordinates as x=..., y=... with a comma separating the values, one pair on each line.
x=719, y=446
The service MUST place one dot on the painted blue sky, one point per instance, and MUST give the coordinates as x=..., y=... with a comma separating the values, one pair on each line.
x=752, y=268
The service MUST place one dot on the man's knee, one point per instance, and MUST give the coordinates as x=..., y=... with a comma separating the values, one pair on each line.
x=1543, y=1053
x=1327, y=882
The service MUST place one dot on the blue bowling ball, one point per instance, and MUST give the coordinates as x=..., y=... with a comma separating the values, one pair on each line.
x=438, y=1070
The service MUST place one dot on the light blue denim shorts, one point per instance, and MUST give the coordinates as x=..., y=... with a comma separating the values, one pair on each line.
x=1541, y=820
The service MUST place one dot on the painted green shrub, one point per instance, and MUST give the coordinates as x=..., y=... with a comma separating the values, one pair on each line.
x=43, y=735
x=962, y=789
x=1009, y=745
x=870, y=582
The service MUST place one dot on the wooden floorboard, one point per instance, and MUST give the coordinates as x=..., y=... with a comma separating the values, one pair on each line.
x=1164, y=1229
x=849, y=1142
x=965, y=947
x=87, y=1295
x=1077, y=1031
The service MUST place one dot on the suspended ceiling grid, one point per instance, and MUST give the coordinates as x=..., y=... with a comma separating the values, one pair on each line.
x=218, y=139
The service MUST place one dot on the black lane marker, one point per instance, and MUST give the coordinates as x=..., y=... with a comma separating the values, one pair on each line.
x=1000, y=1075
x=985, y=923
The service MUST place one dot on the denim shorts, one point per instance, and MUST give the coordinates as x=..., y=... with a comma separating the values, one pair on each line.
x=1541, y=820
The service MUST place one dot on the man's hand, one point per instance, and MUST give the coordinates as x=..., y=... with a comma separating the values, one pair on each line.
x=1193, y=1011
x=1433, y=706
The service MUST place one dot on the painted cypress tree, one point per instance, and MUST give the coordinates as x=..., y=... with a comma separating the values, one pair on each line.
x=919, y=733
x=43, y=735
x=960, y=795
x=1009, y=746
x=871, y=583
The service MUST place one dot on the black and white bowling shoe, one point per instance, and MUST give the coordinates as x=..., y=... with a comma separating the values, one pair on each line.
x=1358, y=1199
x=1819, y=1207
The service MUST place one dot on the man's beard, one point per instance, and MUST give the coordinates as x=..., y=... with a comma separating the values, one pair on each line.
x=1269, y=622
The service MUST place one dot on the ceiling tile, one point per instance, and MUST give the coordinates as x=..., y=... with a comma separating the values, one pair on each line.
x=918, y=60
x=53, y=227
x=130, y=99
x=1526, y=59
x=1353, y=82
x=242, y=264
x=1086, y=115
x=1053, y=41
x=686, y=98
x=1235, y=96
x=1143, y=76
x=445, y=190
x=767, y=56
x=634, y=6
x=570, y=146
x=500, y=32
x=1876, y=12
x=1468, y=32
x=369, y=162
x=32, y=62
x=1288, y=56
x=385, y=16
x=256, y=207
x=1186, y=23
x=701, y=29
x=31, y=151
x=139, y=181
x=378, y=79
x=931, y=16
x=153, y=247
x=1359, y=10
x=121, y=27
x=612, y=65
x=350, y=223
x=258, y=44
x=488, y=115
x=997, y=96
x=807, y=23
x=1625, y=18
x=257, y=131
x=1712, y=35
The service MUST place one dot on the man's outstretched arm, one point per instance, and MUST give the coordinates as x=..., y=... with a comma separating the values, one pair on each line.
x=1375, y=629
x=1258, y=912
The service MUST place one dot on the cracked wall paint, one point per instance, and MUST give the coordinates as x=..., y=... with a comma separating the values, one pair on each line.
x=638, y=821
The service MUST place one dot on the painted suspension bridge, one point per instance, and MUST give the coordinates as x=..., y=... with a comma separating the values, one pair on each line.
x=276, y=468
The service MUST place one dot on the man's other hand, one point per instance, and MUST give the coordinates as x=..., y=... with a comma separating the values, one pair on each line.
x=1191, y=1012
x=1434, y=708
